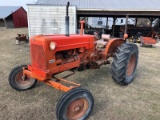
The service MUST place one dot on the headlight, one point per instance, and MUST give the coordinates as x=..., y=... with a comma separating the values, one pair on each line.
x=52, y=45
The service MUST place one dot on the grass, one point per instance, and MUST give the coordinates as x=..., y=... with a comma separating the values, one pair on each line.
x=137, y=101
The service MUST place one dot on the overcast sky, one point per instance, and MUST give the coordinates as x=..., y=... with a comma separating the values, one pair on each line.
x=16, y=3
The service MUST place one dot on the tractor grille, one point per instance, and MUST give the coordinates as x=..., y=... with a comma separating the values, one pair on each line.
x=38, y=56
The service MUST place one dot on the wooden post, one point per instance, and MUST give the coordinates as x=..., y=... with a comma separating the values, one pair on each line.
x=5, y=23
x=151, y=19
x=78, y=20
x=78, y=25
x=126, y=24
x=158, y=22
x=151, y=22
x=114, y=21
x=107, y=23
x=136, y=21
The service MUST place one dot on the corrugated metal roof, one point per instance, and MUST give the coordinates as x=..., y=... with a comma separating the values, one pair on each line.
x=110, y=5
x=5, y=11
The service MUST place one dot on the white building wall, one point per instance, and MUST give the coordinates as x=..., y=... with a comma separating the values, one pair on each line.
x=50, y=19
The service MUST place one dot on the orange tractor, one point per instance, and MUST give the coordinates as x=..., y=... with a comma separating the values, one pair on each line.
x=53, y=54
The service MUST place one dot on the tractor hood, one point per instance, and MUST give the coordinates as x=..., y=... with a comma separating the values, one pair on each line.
x=63, y=42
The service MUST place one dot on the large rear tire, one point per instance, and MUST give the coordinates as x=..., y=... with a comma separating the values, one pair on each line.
x=76, y=104
x=17, y=82
x=125, y=63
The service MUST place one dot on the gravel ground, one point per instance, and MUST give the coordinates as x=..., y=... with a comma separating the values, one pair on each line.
x=138, y=101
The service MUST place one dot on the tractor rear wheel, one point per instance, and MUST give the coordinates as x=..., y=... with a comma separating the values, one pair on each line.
x=125, y=63
x=17, y=81
x=76, y=104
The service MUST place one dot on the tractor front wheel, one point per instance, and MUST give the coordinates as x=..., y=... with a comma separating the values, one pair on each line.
x=76, y=104
x=18, y=82
x=125, y=63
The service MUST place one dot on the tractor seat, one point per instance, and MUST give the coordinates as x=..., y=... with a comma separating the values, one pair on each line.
x=102, y=42
x=106, y=37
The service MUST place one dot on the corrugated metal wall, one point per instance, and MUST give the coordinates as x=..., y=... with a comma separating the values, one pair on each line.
x=50, y=19
x=20, y=18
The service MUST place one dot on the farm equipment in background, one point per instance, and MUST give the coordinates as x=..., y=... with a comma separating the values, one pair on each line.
x=144, y=35
x=134, y=32
x=53, y=54
x=151, y=35
x=147, y=41
x=21, y=37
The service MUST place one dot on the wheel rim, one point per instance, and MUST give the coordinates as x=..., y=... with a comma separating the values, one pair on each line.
x=23, y=83
x=77, y=109
x=131, y=65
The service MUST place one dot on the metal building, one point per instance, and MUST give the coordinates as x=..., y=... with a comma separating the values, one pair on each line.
x=13, y=16
x=47, y=16
x=50, y=19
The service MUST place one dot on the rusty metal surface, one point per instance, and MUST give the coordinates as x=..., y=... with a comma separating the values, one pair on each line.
x=148, y=40
x=77, y=108
x=131, y=65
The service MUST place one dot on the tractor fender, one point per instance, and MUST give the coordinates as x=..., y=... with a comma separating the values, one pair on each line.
x=112, y=45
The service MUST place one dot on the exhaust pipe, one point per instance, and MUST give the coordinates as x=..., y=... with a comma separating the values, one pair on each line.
x=67, y=20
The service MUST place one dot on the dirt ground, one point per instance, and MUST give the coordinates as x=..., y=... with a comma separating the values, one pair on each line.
x=138, y=101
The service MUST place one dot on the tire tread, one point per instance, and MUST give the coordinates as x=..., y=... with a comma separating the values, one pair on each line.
x=120, y=61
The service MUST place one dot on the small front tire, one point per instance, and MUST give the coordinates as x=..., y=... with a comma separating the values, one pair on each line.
x=76, y=104
x=17, y=82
